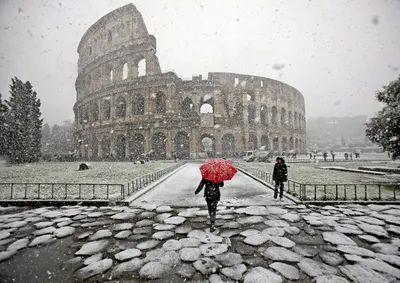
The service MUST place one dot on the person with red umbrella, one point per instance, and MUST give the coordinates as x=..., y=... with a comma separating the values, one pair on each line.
x=214, y=172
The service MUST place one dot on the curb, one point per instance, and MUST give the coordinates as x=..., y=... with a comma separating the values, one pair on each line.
x=336, y=202
x=52, y=202
x=269, y=186
x=151, y=186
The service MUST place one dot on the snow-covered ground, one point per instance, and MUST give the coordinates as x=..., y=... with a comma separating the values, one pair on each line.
x=67, y=172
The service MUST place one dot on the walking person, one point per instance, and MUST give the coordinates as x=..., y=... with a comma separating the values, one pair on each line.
x=212, y=196
x=279, y=176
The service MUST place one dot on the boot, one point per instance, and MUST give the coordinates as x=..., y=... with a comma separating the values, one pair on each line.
x=212, y=225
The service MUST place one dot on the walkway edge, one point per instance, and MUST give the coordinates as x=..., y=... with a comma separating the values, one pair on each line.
x=151, y=186
x=269, y=186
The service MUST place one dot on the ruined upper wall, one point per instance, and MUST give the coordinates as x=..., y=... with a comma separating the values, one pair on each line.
x=121, y=27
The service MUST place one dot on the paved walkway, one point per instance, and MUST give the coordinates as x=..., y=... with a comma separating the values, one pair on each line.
x=276, y=244
x=178, y=190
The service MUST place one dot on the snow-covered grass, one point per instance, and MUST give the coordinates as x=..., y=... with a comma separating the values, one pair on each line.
x=100, y=173
x=313, y=175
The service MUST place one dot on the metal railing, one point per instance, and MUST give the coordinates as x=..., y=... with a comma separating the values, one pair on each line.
x=142, y=181
x=43, y=191
x=337, y=192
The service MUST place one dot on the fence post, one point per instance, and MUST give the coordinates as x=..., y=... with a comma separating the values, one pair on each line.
x=337, y=193
x=66, y=191
x=52, y=191
x=355, y=191
x=394, y=192
x=38, y=191
x=365, y=192
x=315, y=192
x=324, y=192
x=94, y=193
x=108, y=190
x=80, y=194
x=26, y=189
x=123, y=191
x=345, y=192
x=379, y=191
x=128, y=190
x=12, y=191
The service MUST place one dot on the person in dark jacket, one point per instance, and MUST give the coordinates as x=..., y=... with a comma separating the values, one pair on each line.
x=212, y=196
x=279, y=176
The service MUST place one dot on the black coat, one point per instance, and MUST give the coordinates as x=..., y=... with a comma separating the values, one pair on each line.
x=280, y=172
x=211, y=191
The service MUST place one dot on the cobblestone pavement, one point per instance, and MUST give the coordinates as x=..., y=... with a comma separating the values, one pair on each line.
x=288, y=243
x=178, y=190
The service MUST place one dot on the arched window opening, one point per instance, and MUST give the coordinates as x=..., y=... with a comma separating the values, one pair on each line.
x=182, y=145
x=252, y=145
x=106, y=109
x=291, y=144
x=274, y=117
x=290, y=117
x=159, y=146
x=238, y=114
x=121, y=147
x=138, y=104
x=120, y=107
x=136, y=147
x=206, y=108
x=95, y=111
x=265, y=142
x=142, y=67
x=284, y=144
x=187, y=106
x=106, y=148
x=275, y=145
x=228, y=145
x=125, y=71
x=263, y=115
x=160, y=102
x=251, y=114
x=94, y=147
x=283, y=117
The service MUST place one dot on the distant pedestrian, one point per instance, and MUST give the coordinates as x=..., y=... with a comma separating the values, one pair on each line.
x=279, y=175
x=333, y=156
x=325, y=155
x=310, y=155
x=346, y=156
x=212, y=196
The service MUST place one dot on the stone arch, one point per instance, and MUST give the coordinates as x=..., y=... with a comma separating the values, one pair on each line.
x=106, y=109
x=290, y=119
x=125, y=71
x=296, y=144
x=187, y=107
x=120, y=108
x=95, y=147
x=160, y=102
x=136, y=146
x=141, y=67
x=159, y=145
x=291, y=144
x=207, y=144
x=85, y=153
x=252, y=144
x=275, y=144
x=251, y=114
x=206, y=108
x=94, y=111
x=263, y=115
x=182, y=145
x=120, y=146
x=228, y=145
x=274, y=117
x=138, y=104
x=265, y=142
x=284, y=144
x=283, y=117
x=106, y=148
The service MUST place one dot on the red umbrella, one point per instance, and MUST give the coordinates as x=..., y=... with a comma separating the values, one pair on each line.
x=217, y=170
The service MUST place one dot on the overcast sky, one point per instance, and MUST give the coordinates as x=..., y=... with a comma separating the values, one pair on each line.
x=336, y=53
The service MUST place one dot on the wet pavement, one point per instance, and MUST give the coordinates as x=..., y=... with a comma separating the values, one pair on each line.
x=287, y=243
x=178, y=190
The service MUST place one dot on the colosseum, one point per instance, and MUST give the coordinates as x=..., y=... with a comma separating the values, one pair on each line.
x=128, y=108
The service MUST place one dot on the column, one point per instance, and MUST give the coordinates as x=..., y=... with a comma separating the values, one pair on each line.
x=169, y=145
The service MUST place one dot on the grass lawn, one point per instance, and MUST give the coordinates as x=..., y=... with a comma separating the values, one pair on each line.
x=67, y=172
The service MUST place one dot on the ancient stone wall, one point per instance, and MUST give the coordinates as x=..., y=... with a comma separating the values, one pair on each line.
x=122, y=114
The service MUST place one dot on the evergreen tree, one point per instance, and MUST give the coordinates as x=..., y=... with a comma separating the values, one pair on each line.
x=3, y=127
x=384, y=129
x=24, y=123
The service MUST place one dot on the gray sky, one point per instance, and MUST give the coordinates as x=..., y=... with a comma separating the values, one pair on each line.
x=336, y=53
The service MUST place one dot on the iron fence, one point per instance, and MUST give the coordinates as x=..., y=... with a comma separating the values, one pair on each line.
x=142, y=181
x=43, y=191
x=325, y=192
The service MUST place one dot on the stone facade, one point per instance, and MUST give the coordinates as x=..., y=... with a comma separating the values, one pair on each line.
x=121, y=113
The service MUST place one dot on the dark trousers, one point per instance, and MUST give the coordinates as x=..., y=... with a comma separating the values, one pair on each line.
x=278, y=186
x=212, y=209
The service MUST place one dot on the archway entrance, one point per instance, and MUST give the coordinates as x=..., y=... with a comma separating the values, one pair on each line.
x=121, y=147
x=95, y=145
x=228, y=145
x=105, y=148
x=159, y=146
x=136, y=146
x=208, y=145
x=265, y=142
x=182, y=145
